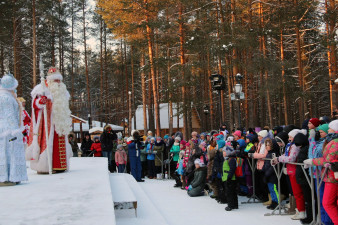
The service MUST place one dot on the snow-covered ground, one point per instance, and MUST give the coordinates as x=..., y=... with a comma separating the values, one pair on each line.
x=161, y=203
x=81, y=196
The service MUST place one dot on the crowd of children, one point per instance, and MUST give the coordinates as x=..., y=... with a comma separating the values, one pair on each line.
x=224, y=165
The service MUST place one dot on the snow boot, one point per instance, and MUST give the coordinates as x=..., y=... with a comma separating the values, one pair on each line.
x=272, y=206
x=269, y=202
x=292, y=202
x=7, y=183
x=299, y=215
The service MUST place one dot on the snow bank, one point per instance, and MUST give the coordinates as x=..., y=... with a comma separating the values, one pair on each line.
x=79, y=197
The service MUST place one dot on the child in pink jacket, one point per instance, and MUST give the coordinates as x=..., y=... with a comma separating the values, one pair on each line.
x=120, y=158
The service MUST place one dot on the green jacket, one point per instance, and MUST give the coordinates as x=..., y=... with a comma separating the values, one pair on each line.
x=175, y=149
x=159, y=149
x=229, y=168
x=199, y=181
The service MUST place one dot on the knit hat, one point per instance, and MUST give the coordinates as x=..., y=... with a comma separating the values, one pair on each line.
x=187, y=144
x=183, y=142
x=152, y=138
x=198, y=161
x=334, y=125
x=324, y=127
x=250, y=137
x=263, y=133
x=238, y=133
x=220, y=137
x=220, y=143
x=119, y=146
x=230, y=138
x=315, y=122
x=178, y=138
x=166, y=136
x=294, y=132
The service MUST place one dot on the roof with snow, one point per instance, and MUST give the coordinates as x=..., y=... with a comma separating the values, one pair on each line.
x=85, y=126
x=164, y=117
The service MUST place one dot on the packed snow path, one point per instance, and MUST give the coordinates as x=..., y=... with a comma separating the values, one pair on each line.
x=160, y=203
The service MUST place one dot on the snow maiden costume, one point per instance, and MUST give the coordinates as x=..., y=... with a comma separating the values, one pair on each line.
x=55, y=98
x=12, y=153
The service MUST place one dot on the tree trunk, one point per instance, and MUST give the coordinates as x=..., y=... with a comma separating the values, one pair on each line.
x=182, y=59
x=152, y=71
x=331, y=51
x=16, y=46
x=34, y=43
x=171, y=119
x=133, y=84
x=285, y=105
x=101, y=71
x=85, y=58
x=211, y=101
x=144, y=96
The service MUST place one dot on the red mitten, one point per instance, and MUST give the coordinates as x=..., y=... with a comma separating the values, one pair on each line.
x=125, y=162
x=43, y=100
x=117, y=164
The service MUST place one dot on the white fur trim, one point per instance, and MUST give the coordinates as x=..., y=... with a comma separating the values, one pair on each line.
x=41, y=91
x=55, y=76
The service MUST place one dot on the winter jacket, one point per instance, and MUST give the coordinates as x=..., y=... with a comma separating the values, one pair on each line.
x=330, y=154
x=120, y=157
x=107, y=140
x=269, y=173
x=302, y=141
x=290, y=157
x=218, y=164
x=260, y=153
x=315, y=151
x=175, y=149
x=75, y=148
x=211, y=152
x=96, y=147
x=198, y=182
x=150, y=150
x=134, y=149
x=186, y=157
x=229, y=169
x=159, y=148
x=86, y=145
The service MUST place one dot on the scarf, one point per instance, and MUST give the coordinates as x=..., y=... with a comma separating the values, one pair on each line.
x=331, y=136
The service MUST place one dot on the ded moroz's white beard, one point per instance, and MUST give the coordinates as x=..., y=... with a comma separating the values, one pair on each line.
x=60, y=109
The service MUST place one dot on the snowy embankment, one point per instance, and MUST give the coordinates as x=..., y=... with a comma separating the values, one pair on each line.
x=79, y=197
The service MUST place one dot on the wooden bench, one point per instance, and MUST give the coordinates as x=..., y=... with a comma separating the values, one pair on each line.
x=123, y=196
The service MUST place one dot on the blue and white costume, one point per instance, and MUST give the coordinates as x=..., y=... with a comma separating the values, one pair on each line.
x=12, y=151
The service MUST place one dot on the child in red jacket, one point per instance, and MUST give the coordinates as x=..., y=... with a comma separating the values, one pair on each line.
x=96, y=147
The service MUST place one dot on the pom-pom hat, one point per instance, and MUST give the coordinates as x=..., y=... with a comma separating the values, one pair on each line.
x=8, y=82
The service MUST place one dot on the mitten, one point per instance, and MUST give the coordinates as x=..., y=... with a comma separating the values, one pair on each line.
x=274, y=161
x=250, y=155
x=117, y=164
x=307, y=163
x=327, y=165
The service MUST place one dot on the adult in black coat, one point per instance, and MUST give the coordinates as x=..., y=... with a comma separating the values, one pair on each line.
x=301, y=141
x=86, y=144
x=107, y=139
